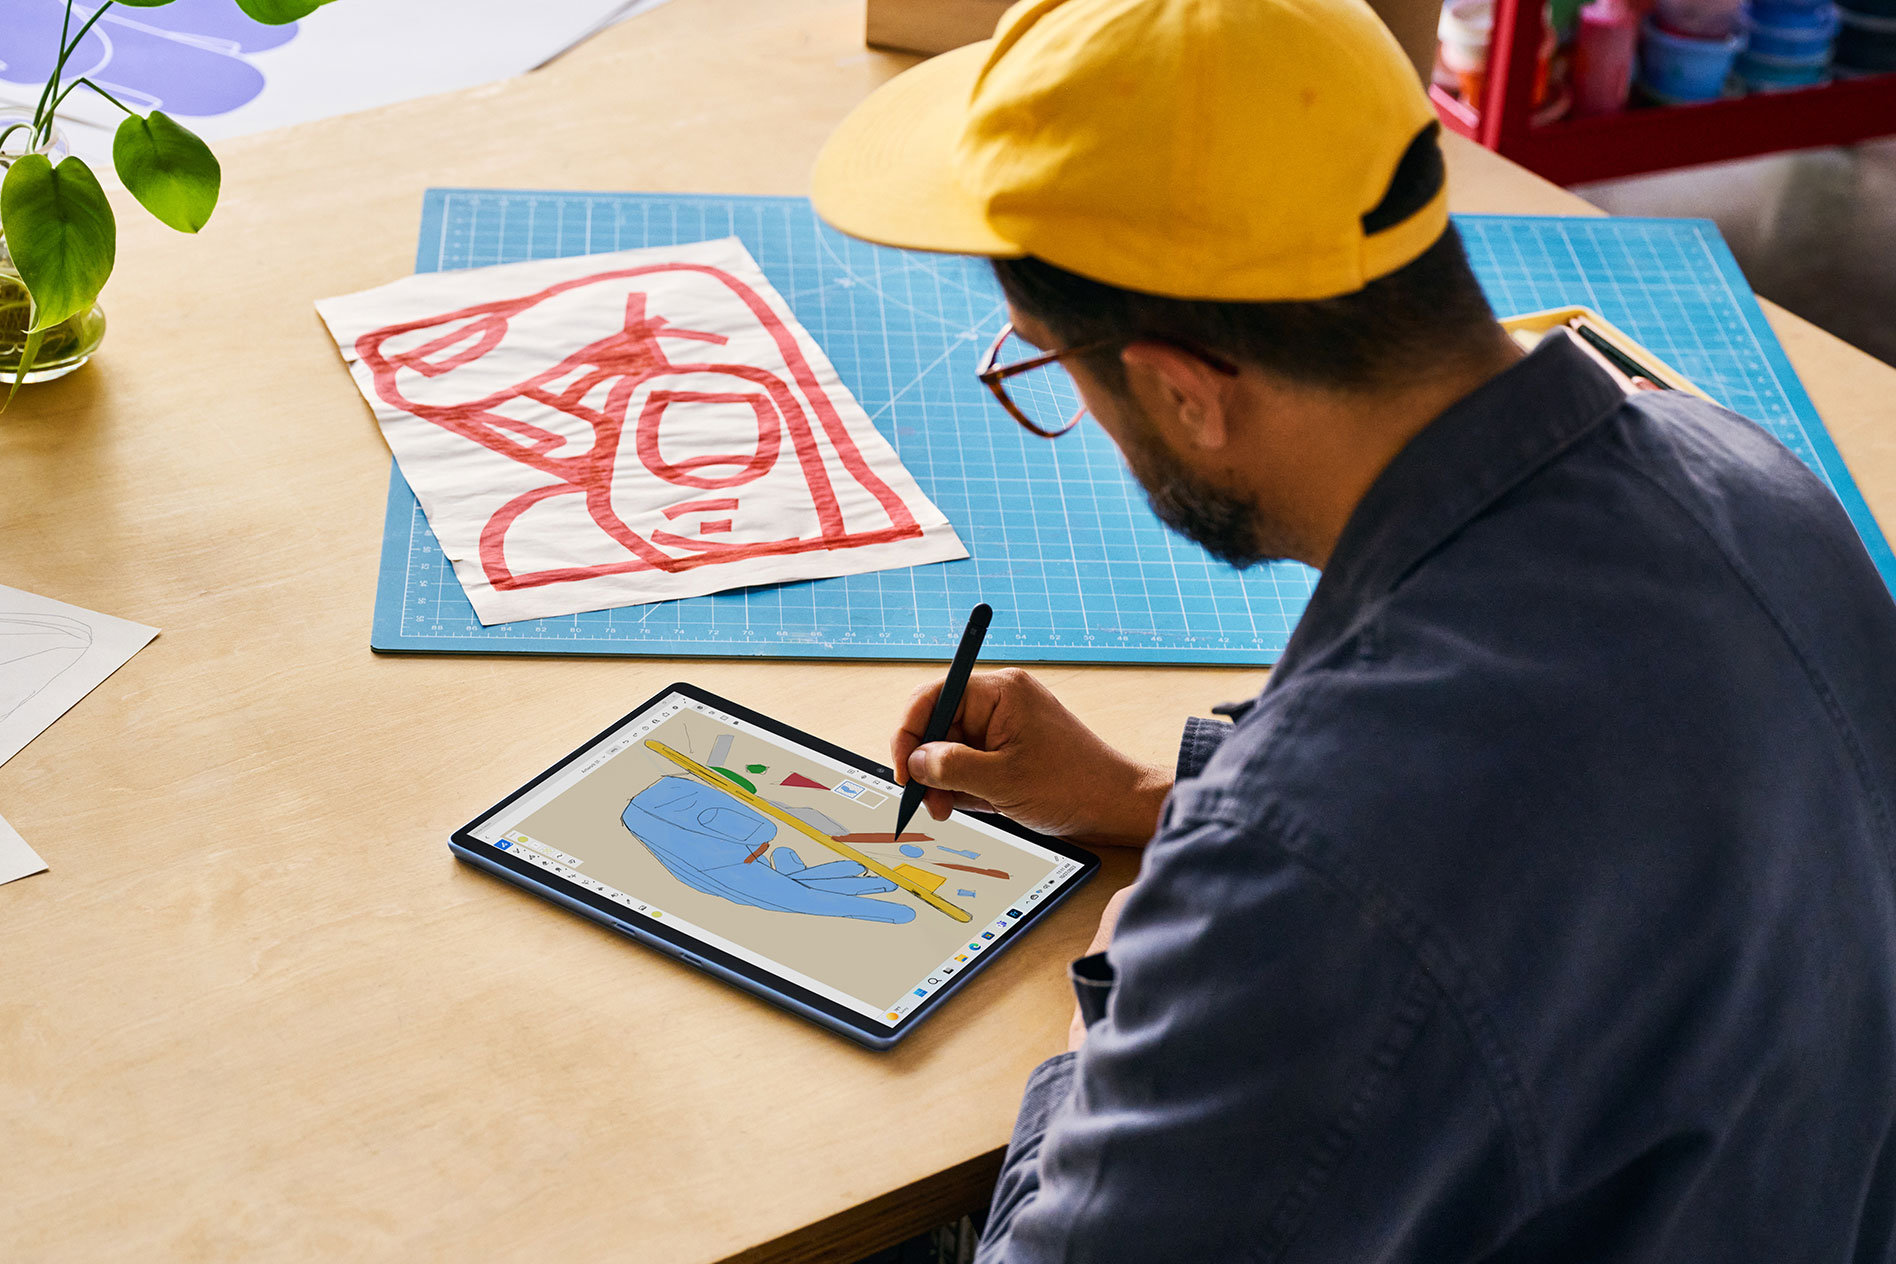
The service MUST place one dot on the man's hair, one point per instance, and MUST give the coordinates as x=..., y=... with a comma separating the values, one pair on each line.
x=1427, y=315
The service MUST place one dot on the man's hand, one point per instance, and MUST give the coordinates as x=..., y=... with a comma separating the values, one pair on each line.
x=1015, y=750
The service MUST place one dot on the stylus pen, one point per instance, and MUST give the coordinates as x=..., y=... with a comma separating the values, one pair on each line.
x=945, y=706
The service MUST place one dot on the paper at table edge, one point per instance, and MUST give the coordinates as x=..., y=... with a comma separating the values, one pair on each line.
x=111, y=642
x=17, y=860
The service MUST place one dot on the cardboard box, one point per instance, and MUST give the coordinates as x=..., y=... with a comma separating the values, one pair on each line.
x=931, y=26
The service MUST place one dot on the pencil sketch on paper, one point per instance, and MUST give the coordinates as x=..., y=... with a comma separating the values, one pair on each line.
x=617, y=429
x=35, y=650
x=51, y=655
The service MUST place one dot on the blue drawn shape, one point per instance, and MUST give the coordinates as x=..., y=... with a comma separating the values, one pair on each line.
x=187, y=58
x=971, y=855
x=709, y=841
x=911, y=851
x=966, y=894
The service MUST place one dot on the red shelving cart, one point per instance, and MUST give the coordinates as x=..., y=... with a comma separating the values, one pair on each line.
x=1571, y=151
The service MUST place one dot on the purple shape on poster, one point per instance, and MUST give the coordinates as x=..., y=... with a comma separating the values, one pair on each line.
x=186, y=58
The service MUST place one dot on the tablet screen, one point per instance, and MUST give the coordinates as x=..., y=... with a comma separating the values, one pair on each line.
x=779, y=855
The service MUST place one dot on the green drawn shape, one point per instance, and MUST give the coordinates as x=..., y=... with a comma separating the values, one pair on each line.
x=746, y=782
x=756, y=768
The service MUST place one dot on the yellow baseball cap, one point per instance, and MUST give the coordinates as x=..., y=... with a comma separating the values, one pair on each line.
x=1238, y=150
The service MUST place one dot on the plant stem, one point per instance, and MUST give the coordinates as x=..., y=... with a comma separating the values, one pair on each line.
x=83, y=81
x=65, y=53
x=52, y=84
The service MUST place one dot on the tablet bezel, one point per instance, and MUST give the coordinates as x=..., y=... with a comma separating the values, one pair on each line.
x=755, y=979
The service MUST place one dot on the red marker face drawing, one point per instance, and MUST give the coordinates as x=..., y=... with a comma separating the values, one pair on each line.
x=647, y=443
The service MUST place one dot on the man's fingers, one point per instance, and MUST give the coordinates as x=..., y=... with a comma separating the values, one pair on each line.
x=962, y=769
x=908, y=735
x=920, y=704
x=932, y=764
x=970, y=726
x=899, y=747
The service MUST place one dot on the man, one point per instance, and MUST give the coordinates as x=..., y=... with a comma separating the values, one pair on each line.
x=1542, y=906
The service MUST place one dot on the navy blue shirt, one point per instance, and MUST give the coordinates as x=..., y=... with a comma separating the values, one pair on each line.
x=1541, y=908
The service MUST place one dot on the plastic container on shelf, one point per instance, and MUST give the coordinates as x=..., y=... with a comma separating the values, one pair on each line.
x=1761, y=72
x=1734, y=87
x=1606, y=43
x=1680, y=68
x=1465, y=28
x=1866, y=41
x=1698, y=19
x=1788, y=12
x=1793, y=33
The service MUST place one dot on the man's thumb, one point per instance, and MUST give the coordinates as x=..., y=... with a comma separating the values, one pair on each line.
x=952, y=766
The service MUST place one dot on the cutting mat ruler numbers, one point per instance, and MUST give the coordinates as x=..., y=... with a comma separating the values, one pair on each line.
x=1061, y=539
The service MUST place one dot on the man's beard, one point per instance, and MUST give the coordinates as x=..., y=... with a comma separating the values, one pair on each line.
x=1223, y=524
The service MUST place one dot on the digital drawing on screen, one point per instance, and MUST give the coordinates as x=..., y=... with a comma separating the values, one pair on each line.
x=742, y=838
x=857, y=874
x=715, y=844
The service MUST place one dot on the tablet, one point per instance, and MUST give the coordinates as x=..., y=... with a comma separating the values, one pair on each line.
x=762, y=855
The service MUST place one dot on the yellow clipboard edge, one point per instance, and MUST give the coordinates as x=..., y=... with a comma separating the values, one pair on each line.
x=1556, y=317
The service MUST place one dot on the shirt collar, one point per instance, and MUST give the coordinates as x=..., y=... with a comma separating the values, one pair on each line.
x=1485, y=444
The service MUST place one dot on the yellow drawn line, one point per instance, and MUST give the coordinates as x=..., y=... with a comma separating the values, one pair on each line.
x=915, y=885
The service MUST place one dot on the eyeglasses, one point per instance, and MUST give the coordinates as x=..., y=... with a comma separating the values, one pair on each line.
x=1047, y=403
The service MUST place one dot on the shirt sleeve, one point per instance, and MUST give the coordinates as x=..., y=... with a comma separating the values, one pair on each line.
x=1276, y=1078
x=1199, y=743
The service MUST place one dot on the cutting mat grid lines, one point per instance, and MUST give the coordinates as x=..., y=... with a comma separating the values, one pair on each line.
x=1061, y=539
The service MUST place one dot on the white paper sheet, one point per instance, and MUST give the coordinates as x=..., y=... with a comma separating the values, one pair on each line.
x=630, y=9
x=17, y=860
x=52, y=655
x=221, y=74
x=622, y=428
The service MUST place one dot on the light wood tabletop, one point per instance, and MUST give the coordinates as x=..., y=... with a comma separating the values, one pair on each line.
x=255, y=1011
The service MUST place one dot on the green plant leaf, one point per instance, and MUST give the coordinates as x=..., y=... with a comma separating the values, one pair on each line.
x=172, y=173
x=61, y=234
x=277, y=12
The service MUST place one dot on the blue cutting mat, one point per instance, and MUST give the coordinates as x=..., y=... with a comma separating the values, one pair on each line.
x=1061, y=541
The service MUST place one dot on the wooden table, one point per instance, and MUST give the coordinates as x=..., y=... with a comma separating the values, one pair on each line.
x=255, y=1011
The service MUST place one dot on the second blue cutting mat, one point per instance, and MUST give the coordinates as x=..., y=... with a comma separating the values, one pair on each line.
x=1061, y=541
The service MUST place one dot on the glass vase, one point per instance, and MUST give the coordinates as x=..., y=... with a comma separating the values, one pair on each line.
x=66, y=345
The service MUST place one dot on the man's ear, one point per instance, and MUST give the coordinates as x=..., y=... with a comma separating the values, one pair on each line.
x=1187, y=399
